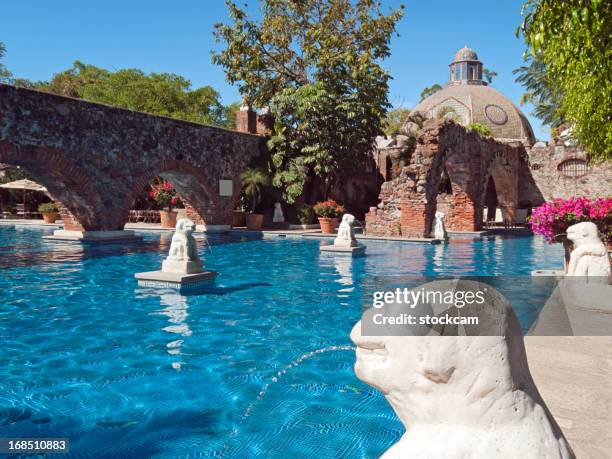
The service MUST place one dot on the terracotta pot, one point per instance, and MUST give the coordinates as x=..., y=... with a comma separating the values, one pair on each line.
x=168, y=219
x=328, y=224
x=238, y=218
x=254, y=221
x=49, y=217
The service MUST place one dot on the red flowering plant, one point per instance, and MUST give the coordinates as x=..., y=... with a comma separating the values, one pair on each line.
x=164, y=195
x=552, y=219
x=329, y=209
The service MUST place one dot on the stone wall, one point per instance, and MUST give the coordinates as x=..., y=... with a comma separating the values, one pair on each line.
x=541, y=180
x=94, y=159
x=408, y=202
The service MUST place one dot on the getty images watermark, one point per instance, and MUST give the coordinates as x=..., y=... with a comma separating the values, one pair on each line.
x=409, y=299
x=484, y=305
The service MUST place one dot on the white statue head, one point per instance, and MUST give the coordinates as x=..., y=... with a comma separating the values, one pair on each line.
x=185, y=225
x=348, y=219
x=439, y=215
x=450, y=390
x=277, y=205
x=417, y=369
x=583, y=233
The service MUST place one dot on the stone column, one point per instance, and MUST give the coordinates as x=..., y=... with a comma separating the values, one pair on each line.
x=465, y=215
x=415, y=219
x=246, y=119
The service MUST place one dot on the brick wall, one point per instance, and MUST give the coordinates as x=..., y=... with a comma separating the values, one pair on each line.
x=96, y=159
x=409, y=201
x=541, y=179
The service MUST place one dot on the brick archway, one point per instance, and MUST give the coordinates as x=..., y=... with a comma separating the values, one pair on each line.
x=93, y=158
x=469, y=160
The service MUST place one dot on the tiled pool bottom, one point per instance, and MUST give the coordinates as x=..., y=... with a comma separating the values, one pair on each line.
x=129, y=372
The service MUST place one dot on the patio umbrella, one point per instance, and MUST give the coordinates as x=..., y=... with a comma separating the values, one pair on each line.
x=24, y=185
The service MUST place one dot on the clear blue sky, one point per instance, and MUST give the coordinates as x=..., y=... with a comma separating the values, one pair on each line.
x=163, y=36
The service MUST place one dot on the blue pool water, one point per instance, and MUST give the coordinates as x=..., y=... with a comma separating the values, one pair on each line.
x=255, y=366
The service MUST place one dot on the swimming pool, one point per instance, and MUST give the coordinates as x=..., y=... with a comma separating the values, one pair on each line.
x=258, y=365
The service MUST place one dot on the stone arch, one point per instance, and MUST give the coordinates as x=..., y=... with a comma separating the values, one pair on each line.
x=470, y=161
x=79, y=204
x=94, y=159
x=502, y=172
x=200, y=193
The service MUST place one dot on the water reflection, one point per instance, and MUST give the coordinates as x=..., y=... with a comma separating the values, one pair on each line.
x=40, y=251
x=176, y=309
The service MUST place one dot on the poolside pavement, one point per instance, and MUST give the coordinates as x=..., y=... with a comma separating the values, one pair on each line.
x=574, y=376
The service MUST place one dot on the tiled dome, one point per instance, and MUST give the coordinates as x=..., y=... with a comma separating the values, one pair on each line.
x=467, y=99
x=465, y=54
x=482, y=104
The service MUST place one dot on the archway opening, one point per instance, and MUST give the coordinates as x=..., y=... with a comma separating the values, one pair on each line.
x=188, y=190
x=491, y=202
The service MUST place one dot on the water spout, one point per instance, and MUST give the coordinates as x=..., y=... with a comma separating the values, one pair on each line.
x=279, y=374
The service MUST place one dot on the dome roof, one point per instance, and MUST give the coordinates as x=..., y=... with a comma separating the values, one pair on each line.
x=465, y=54
x=479, y=104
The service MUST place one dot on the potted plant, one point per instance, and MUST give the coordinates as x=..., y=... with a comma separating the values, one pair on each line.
x=238, y=218
x=165, y=196
x=305, y=214
x=552, y=219
x=328, y=213
x=48, y=211
x=254, y=182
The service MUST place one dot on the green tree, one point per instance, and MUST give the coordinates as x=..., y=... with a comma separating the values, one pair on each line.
x=489, y=75
x=164, y=94
x=429, y=90
x=394, y=120
x=573, y=39
x=5, y=75
x=254, y=183
x=317, y=64
x=542, y=93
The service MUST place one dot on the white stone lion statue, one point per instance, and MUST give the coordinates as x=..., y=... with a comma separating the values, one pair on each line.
x=460, y=396
x=346, y=232
x=183, y=245
x=183, y=255
x=439, y=230
x=590, y=257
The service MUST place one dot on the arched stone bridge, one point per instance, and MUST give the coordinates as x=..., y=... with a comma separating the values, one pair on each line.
x=95, y=159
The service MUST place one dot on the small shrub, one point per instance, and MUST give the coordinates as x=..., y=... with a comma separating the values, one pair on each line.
x=329, y=209
x=305, y=214
x=479, y=128
x=47, y=207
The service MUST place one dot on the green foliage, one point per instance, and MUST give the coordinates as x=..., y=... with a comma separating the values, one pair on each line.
x=429, y=90
x=317, y=64
x=394, y=120
x=489, y=75
x=541, y=92
x=164, y=94
x=480, y=128
x=14, y=173
x=5, y=75
x=448, y=113
x=254, y=183
x=328, y=209
x=47, y=207
x=572, y=38
x=305, y=214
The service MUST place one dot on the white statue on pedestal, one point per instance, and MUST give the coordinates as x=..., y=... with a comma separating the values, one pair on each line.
x=278, y=213
x=183, y=255
x=439, y=230
x=590, y=257
x=346, y=232
x=460, y=396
